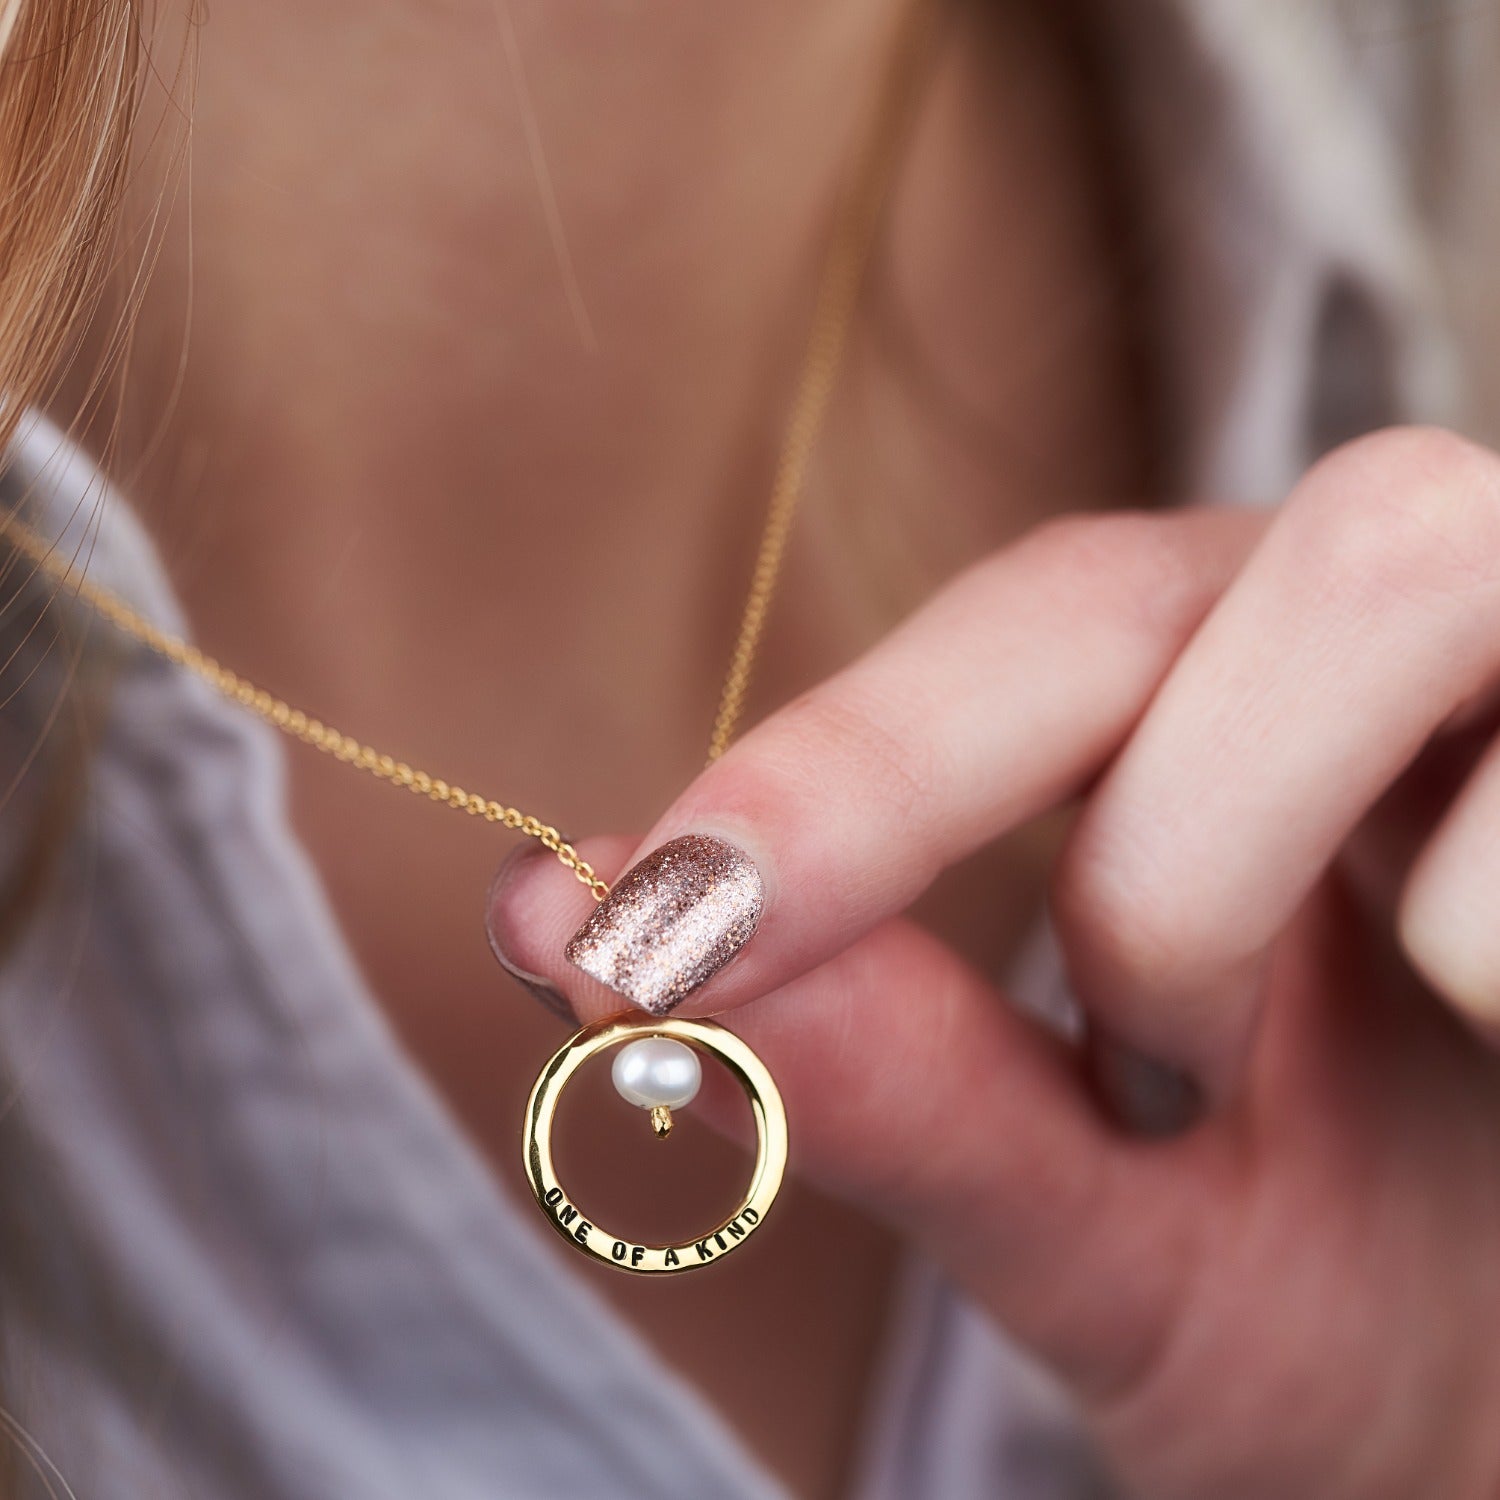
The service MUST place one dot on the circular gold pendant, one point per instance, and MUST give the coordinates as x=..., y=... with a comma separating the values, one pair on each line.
x=574, y=1225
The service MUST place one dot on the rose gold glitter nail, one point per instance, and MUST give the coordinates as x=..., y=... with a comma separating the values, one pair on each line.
x=672, y=921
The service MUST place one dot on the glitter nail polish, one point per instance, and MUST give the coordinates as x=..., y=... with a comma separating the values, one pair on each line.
x=672, y=921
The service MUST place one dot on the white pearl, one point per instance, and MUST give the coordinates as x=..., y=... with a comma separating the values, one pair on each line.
x=657, y=1072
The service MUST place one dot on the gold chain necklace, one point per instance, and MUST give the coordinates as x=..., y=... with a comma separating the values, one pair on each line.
x=837, y=299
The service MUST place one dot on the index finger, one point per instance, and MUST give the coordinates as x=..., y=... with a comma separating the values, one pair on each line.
x=999, y=699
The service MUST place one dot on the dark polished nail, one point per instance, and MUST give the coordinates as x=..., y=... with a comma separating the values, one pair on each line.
x=671, y=922
x=541, y=989
x=1148, y=1097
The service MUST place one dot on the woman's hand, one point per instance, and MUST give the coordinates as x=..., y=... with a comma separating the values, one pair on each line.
x=1284, y=882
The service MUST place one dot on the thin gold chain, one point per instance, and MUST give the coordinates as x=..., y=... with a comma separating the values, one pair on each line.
x=833, y=316
x=293, y=721
x=838, y=297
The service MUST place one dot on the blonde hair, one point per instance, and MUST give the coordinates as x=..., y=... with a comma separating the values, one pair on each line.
x=70, y=90
x=70, y=74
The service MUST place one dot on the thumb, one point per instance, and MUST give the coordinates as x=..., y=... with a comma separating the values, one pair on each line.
x=915, y=1089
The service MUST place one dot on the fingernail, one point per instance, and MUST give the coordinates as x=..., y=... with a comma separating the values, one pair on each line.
x=541, y=989
x=671, y=922
x=1148, y=1097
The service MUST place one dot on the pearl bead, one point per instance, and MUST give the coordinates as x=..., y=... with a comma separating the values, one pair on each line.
x=657, y=1072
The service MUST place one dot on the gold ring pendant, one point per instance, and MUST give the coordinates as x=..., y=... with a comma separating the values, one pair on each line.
x=570, y=1221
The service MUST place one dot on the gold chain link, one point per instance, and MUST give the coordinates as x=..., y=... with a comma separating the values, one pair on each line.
x=838, y=296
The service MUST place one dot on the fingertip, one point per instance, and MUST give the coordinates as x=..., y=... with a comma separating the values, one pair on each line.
x=1446, y=919
x=672, y=921
x=507, y=936
x=1450, y=938
x=535, y=904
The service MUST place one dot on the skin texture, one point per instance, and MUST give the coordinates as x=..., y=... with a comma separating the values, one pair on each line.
x=393, y=469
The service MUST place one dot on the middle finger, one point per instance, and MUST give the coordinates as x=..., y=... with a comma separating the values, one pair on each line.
x=1370, y=613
